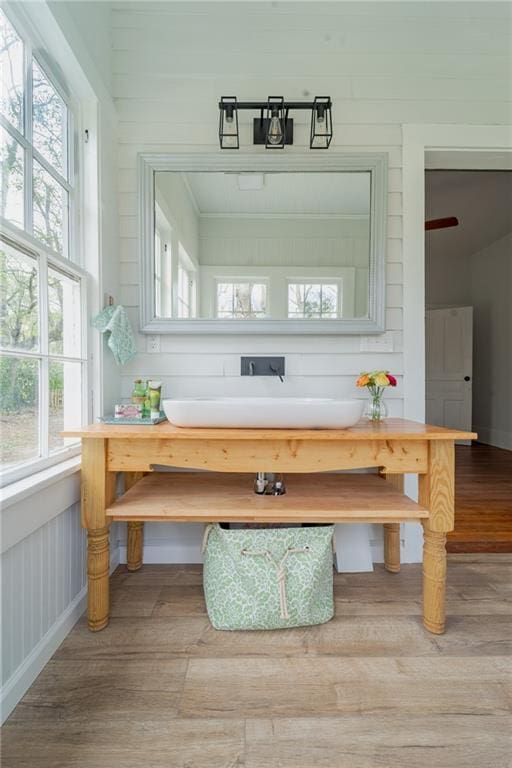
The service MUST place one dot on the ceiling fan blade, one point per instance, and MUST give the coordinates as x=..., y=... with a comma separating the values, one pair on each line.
x=450, y=221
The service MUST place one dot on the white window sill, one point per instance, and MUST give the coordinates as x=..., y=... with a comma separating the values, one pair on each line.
x=22, y=489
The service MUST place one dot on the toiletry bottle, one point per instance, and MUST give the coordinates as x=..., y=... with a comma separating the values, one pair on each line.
x=155, y=392
x=147, y=403
x=139, y=393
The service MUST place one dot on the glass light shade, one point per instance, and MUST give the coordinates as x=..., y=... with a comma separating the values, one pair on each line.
x=321, y=123
x=228, y=123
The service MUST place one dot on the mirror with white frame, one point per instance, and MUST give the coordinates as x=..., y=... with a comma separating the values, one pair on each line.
x=262, y=249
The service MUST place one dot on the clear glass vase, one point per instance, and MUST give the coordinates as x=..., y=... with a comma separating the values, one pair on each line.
x=376, y=409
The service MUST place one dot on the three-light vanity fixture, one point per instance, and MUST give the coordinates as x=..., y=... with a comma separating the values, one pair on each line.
x=273, y=127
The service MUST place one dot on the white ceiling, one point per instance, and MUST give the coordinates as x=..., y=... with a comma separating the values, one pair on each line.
x=282, y=194
x=482, y=202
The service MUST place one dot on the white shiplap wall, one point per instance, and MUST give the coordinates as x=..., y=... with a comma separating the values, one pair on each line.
x=384, y=64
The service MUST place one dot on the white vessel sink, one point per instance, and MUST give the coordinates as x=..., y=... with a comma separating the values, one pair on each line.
x=264, y=412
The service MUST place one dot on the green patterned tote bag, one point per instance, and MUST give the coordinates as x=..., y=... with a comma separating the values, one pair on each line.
x=268, y=578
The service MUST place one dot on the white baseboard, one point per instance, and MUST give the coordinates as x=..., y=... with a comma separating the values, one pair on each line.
x=115, y=559
x=18, y=684
x=405, y=555
x=166, y=553
x=161, y=552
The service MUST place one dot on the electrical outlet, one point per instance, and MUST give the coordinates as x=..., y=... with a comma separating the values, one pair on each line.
x=381, y=343
x=153, y=344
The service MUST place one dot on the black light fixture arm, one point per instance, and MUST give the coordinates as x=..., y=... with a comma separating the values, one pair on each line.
x=262, y=105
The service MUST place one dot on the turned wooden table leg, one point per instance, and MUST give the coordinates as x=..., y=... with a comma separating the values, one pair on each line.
x=392, y=531
x=434, y=579
x=98, y=566
x=436, y=492
x=392, y=547
x=98, y=492
x=135, y=530
x=135, y=546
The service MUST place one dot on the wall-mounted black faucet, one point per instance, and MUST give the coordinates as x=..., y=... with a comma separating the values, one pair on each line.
x=276, y=373
x=262, y=366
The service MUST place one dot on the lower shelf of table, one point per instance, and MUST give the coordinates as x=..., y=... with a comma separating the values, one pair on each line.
x=225, y=497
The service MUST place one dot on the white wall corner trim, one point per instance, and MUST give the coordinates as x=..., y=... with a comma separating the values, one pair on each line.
x=418, y=139
x=474, y=140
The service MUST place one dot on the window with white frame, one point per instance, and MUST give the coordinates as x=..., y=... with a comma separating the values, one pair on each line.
x=241, y=299
x=314, y=299
x=42, y=290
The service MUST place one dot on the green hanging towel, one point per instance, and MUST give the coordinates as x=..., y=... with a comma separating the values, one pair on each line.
x=268, y=578
x=114, y=321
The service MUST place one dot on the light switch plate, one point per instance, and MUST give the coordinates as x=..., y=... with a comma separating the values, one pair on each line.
x=381, y=343
x=153, y=344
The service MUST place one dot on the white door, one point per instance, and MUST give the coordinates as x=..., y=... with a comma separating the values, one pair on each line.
x=449, y=365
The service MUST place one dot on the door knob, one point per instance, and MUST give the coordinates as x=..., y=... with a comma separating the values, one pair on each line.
x=467, y=378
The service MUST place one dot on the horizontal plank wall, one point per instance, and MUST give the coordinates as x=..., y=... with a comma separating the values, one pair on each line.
x=383, y=64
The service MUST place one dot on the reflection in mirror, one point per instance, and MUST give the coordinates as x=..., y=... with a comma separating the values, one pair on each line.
x=262, y=245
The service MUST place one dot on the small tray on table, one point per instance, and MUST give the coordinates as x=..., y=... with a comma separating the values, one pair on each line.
x=133, y=420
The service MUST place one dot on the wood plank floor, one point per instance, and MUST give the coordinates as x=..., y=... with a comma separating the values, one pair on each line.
x=160, y=687
x=483, y=500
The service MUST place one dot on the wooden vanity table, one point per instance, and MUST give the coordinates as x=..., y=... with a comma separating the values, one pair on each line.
x=395, y=446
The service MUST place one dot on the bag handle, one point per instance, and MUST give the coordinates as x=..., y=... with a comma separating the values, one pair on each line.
x=280, y=571
x=205, y=537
